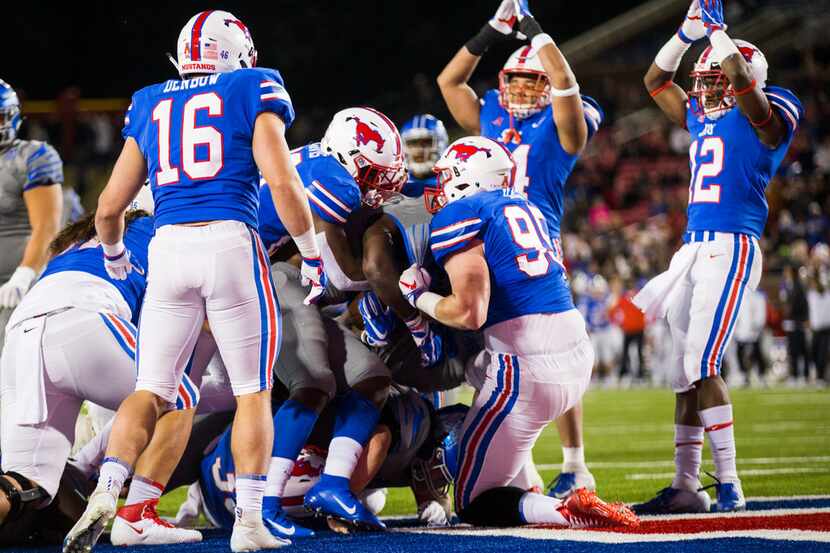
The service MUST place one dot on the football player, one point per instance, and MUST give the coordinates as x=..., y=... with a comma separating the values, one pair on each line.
x=538, y=114
x=605, y=338
x=31, y=174
x=506, y=280
x=201, y=140
x=352, y=171
x=741, y=128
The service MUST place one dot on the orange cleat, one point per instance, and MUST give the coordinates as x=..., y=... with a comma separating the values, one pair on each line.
x=583, y=509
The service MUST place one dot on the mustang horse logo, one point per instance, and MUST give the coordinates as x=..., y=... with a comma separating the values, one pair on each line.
x=365, y=134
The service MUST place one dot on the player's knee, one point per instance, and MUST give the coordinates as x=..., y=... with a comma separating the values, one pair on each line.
x=495, y=507
x=311, y=398
x=375, y=389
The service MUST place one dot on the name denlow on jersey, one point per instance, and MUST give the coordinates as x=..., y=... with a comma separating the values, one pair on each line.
x=196, y=136
x=542, y=165
x=525, y=277
x=731, y=167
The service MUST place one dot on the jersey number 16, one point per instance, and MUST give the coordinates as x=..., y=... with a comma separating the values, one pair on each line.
x=192, y=135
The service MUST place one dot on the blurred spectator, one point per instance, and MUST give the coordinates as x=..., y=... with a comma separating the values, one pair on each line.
x=818, y=299
x=794, y=302
x=632, y=321
x=749, y=328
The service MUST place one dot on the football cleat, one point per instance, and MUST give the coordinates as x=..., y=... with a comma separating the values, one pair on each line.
x=247, y=536
x=139, y=524
x=673, y=501
x=730, y=498
x=278, y=523
x=583, y=509
x=84, y=535
x=567, y=483
x=342, y=504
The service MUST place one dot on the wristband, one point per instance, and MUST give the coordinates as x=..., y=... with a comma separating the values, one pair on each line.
x=428, y=302
x=746, y=90
x=722, y=46
x=487, y=36
x=113, y=251
x=560, y=92
x=540, y=41
x=669, y=57
x=661, y=88
x=307, y=244
x=529, y=27
x=763, y=123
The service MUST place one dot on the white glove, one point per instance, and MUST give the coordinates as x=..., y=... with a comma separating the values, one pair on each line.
x=504, y=18
x=117, y=263
x=312, y=272
x=692, y=28
x=12, y=291
x=413, y=282
x=432, y=514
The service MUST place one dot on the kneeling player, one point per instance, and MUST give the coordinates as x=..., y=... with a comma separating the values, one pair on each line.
x=505, y=279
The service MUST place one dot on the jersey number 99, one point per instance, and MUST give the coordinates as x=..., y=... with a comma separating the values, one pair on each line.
x=529, y=233
x=192, y=135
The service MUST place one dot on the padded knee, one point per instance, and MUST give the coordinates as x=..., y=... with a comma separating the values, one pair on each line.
x=495, y=507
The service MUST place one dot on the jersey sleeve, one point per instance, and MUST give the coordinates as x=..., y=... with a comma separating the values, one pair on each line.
x=132, y=119
x=43, y=166
x=593, y=114
x=333, y=198
x=452, y=229
x=266, y=92
x=787, y=105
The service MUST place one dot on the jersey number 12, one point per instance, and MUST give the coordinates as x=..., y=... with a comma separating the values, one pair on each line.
x=711, y=147
x=192, y=135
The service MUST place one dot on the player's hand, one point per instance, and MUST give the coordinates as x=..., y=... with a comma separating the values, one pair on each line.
x=13, y=290
x=504, y=18
x=311, y=272
x=118, y=266
x=692, y=28
x=711, y=14
x=432, y=514
x=413, y=282
x=528, y=26
x=428, y=342
x=378, y=321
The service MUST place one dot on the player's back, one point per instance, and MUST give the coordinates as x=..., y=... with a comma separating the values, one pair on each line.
x=196, y=136
x=524, y=274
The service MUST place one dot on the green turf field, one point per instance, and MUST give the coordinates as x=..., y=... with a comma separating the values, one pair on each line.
x=783, y=440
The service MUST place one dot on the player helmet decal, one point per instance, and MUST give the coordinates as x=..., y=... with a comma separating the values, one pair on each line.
x=367, y=144
x=470, y=165
x=10, y=117
x=424, y=138
x=529, y=97
x=712, y=91
x=214, y=41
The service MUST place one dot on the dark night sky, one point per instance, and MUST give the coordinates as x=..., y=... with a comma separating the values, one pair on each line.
x=331, y=54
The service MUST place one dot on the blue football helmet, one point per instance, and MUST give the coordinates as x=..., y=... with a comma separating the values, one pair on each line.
x=10, y=118
x=424, y=138
x=434, y=476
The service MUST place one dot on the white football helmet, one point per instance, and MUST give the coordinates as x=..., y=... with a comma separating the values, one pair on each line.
x=470, y=165
x=368, y=145
x=713, y=91
x=214, y=41
x=524, y=62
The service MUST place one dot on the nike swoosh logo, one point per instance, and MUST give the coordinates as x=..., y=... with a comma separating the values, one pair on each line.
x=410, y=286
x=715, y=255
x=27, y=330
x=350, y=510
x=282, y=529
x=136, y=530
x=539, y=122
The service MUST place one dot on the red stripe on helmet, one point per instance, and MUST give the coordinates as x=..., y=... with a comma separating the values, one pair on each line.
x=524, y=54
x=196, y=36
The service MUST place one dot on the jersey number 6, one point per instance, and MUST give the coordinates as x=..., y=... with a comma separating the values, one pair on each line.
x=192, y=135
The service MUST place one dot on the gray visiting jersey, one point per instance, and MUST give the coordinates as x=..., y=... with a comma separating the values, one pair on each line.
x=409, y=212
x=24, y=165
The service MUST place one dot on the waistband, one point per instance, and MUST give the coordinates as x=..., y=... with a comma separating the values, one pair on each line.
x=219, y=227
x=44, y=314
x=711, y=236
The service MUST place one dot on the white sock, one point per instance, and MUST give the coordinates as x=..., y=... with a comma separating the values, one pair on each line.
x=112, y=475
x=536, y=508
x=573, y=459
x=343, y=455
x=143, y=489
x=249, y=491
x=718, y=425
x=688, y=454
x=279, y=471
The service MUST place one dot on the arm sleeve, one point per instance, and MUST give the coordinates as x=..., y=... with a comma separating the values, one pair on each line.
x=452, y=229
x=131, y=120
x=266, y=92
x=43, y=167
x=787, y=105
x=333, y=199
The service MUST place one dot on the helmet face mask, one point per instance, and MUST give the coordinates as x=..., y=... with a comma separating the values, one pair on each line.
x=424, y=138
x=524, y=86
x=10, y=117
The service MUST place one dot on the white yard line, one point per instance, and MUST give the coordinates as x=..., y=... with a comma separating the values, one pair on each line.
x=670, y=463
x=744, y=472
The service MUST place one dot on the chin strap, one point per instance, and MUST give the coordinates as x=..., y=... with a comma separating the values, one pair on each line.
x=174, y=62
x=19, y=498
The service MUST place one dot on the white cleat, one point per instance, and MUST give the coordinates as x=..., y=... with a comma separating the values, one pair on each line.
x=139, y=524
x=83, y=536
x=253, y=535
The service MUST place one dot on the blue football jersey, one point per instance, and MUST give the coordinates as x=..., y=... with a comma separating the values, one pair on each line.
x=595, y=312
x=731, y=167
x=89, y=258
x=217, y=482
x=542, y=166
x=196, y=136
x=525, y=277
x=332, y=193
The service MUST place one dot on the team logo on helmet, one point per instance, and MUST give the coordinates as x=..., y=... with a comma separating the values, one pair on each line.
x=364, y=134
x=463, y=152
x=238, y=23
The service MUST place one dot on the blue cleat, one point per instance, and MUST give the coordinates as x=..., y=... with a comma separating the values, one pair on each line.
x=567, y=483
x=674, y=501
x=341, y=503
x=280, y=526
x=730, y=498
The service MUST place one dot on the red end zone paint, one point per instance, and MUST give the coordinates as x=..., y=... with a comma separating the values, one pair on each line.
x=817, y=522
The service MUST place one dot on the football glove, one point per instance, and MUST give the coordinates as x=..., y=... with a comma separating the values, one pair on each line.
x=711, y=14
x=432, y=514
x=378, y=321
x=118, y=266
x=528, y=25
x=13, y=290
x=311, y=272
x=428, y=342
x=413, y=282
x=692, y=28
x=498, y=28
